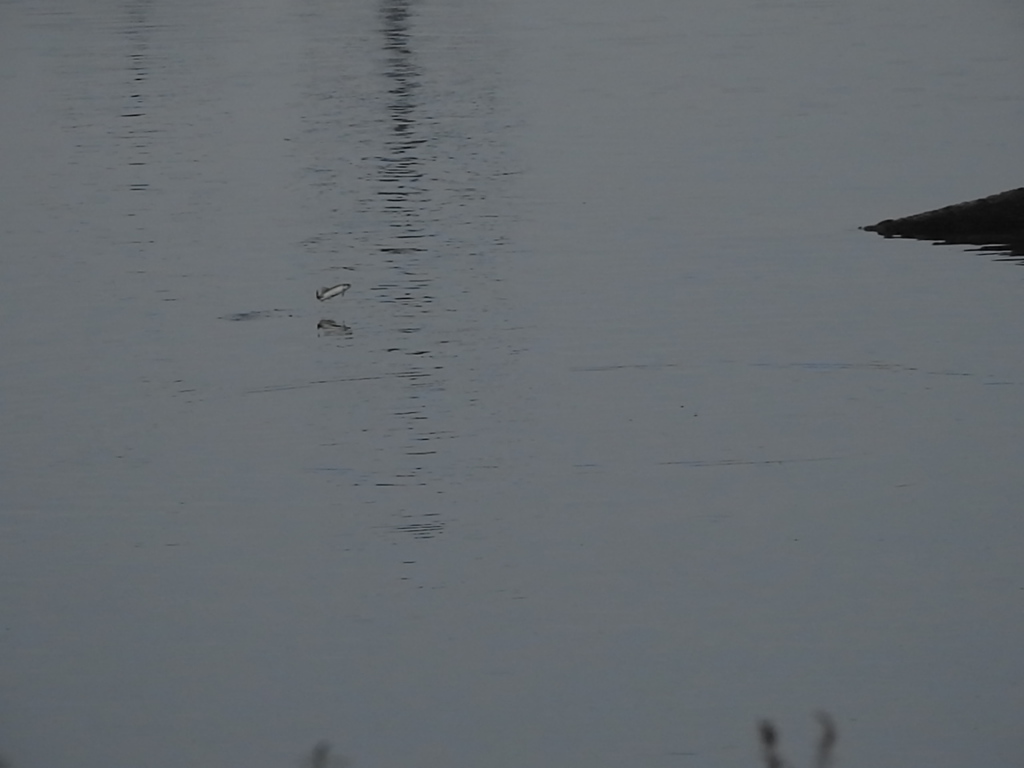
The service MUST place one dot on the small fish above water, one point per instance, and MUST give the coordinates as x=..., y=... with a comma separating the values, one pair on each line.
x=330, y=291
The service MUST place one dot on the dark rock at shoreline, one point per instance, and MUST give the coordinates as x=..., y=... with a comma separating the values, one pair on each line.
x=996, y=223
x=994, y=214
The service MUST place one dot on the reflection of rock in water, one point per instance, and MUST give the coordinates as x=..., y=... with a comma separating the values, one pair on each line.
x=994, y=223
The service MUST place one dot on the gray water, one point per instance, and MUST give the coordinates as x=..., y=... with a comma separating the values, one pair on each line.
x=623, y=438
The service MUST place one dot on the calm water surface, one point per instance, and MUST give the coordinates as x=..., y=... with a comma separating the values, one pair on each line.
x=623, y=437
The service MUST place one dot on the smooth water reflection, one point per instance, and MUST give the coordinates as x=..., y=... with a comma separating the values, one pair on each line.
x=623, y=437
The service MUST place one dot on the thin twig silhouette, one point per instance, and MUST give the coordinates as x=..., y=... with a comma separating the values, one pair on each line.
x=827, y=742
x=770, y=745
x=770, y=740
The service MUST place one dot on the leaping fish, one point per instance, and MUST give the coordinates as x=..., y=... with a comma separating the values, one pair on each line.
x=330, y=291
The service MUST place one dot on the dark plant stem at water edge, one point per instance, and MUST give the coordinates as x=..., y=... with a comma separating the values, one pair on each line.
x=770, y=740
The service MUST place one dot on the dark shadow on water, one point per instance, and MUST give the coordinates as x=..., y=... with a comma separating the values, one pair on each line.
x=1007, y=247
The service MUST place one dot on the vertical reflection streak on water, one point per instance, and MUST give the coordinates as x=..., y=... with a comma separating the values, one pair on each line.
x=407, y=169
x=136, y=28
x=398, y=170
